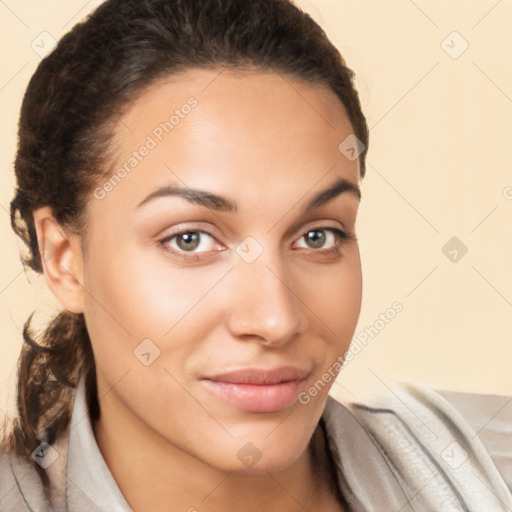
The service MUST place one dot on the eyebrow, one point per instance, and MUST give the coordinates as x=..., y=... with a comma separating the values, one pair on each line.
x=200, y=197
x=340, y=186
x=219, y=203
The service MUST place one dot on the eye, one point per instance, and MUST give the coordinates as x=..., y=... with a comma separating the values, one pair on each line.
x=190, y=241
x=321, y=238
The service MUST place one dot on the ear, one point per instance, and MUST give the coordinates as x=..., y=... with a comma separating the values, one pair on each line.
x=62, y=260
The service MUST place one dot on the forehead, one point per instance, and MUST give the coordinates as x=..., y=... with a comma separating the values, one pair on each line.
x=246, y=132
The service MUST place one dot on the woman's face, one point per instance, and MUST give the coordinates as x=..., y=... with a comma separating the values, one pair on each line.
x=219, y=284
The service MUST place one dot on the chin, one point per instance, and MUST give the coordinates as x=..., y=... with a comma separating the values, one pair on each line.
x=268, y=452
x=270, y=463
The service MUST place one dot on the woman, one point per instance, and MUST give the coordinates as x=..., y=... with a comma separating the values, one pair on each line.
x=188, y=181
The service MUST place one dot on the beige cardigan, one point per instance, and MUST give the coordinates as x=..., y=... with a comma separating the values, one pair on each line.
x=411, y=449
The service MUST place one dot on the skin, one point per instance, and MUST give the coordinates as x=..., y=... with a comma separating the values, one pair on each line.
x=269, y=144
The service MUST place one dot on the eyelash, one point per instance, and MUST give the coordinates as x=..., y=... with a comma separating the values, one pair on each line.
x=342, y=238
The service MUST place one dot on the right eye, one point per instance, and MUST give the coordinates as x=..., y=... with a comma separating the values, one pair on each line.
x=190, y=242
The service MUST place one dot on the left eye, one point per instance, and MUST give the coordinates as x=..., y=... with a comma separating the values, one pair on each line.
x=191, y=241
x=321, y=238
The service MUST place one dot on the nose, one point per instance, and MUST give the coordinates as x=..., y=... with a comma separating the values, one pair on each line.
x=264, y=306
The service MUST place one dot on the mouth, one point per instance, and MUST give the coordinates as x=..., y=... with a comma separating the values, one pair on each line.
x=259, y=390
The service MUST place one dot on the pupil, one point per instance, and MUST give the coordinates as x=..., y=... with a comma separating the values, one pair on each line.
x=188, y=241
x=315, y=238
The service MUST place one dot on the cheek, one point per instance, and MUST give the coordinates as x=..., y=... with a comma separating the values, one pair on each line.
x=335, y=304
x=346, y=291
x=134, y=295
x=333, y=294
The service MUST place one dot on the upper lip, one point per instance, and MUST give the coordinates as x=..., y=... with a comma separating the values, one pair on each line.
x=261, y=375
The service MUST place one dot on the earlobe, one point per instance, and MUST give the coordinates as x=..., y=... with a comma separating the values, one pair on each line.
x=61, y=258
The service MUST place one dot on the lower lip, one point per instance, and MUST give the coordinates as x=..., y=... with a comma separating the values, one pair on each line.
x=256, y=397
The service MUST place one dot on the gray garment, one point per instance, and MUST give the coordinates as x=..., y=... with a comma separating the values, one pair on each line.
x=408, y=450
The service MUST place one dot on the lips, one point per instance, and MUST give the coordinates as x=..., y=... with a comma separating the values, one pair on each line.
x=259, y=390
x=261, y=376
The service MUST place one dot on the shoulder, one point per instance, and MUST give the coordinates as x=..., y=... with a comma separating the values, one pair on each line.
x=432, y=443
x=490, y=418
x=21, y=483
x=16, y=474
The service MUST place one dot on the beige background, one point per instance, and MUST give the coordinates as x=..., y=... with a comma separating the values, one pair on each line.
x=439, y=166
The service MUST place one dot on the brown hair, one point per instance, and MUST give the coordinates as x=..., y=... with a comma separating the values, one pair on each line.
x=65, y=128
